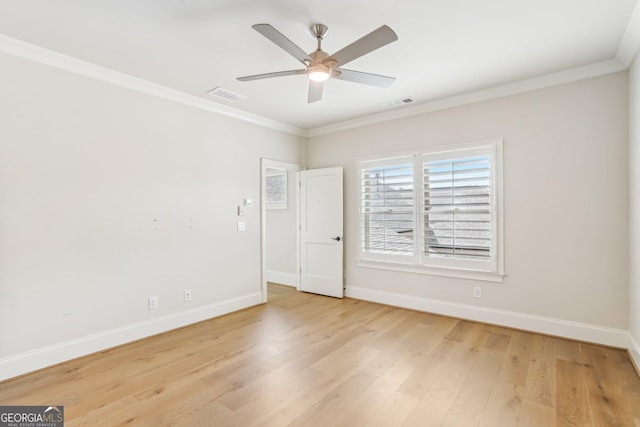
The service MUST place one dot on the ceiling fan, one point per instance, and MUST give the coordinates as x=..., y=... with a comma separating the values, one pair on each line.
x=320, y=66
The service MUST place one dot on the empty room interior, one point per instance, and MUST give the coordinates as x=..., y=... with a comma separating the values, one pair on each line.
x=377, y=213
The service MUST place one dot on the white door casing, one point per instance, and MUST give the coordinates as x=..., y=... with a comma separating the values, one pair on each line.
x=321, y=232
x=293, y=231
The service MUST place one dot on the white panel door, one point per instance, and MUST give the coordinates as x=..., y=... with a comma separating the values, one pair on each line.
x=321, y=231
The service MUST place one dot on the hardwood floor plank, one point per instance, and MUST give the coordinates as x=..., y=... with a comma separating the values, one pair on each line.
x=472, y=398
x=503, y=405
x=427, y=413
x=606, y=402
x=542, y=372
x=284, y=402
x=573, y=397
x=416, y=340
x=452, y=375
x=463, y=331
x=303, y=359
x=110, y=414
x=288, y=410
x=456, y=419
x=324, y=412
x=517, y=359
x=497, y=341
x=428, y=369
x=380, y=392
x=534, y=414
x=394, y=412
x=406, y=322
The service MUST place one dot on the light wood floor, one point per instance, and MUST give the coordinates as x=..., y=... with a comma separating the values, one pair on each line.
x=307, y=360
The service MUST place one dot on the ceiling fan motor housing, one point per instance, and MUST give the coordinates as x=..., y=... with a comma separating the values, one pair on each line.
x=319, y=55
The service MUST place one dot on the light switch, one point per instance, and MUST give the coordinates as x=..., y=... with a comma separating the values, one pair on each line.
x=242, y=226
x=240, y=211
x=248, y=202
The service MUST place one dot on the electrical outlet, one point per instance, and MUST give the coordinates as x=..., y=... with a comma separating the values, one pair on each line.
x=153, y=303
x=477, y=292
x=187, y=295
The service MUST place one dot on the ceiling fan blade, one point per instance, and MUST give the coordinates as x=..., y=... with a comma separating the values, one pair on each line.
x=372, y=41
x=270, y=75
x=315, y=91
x=364, y=78
x=278, y=38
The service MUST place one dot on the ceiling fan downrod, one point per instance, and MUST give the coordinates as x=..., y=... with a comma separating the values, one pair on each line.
x=319, y=31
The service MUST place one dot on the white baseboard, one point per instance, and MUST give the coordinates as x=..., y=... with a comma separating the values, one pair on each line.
x=281, y=278
x=634, y=352
x=19, y=364
x=40, y=358
x=546, y=325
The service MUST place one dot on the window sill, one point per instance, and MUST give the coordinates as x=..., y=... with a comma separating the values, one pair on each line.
x=486, y=276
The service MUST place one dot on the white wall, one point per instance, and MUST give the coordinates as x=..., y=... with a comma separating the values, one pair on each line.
x=108, y=196
x=634, y=212
x=281, y=248
x=566, y=205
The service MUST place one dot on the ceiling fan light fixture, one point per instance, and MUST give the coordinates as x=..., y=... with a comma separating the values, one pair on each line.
x=318, y=73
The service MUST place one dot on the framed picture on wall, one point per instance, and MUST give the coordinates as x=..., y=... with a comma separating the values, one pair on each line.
x=276, y=189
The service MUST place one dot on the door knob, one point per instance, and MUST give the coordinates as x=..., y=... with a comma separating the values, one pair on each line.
x=337, y=239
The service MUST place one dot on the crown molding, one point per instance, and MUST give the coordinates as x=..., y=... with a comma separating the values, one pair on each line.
x=48, y=57
x=626, y=52
x=562, y=77
x=630, y=40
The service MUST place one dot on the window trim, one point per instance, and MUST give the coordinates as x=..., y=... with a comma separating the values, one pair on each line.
x=417, y=263
x=460, y=273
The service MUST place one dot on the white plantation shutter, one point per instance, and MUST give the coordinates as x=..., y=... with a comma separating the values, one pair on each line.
x=387, y=214
x=459, y=213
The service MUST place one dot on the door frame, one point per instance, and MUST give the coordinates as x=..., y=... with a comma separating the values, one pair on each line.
x=293, y=168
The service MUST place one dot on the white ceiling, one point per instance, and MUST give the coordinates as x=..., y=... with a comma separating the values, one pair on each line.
x=445, y=47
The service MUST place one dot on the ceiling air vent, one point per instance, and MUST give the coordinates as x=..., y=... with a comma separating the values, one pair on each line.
x=399, y=102
x=226, y=95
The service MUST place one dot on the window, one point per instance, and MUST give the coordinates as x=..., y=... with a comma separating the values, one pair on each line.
x=435, y=212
